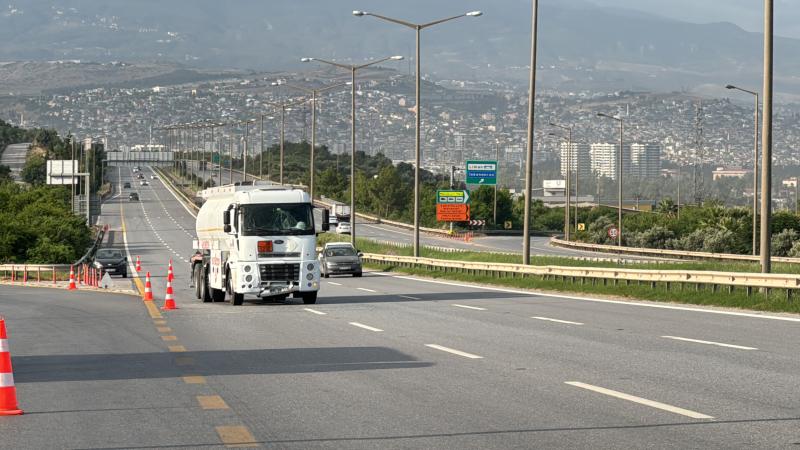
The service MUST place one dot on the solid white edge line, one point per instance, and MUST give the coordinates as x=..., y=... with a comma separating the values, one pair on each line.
x=468, y=307
x=366, y=327
x=719, y=344
x=367, y=290
x=314, y=311
x=596, y=300
x=174, y=195
x=409, y=297
x=334, y=283
x=453, y=351
x=549, y=319
x=640, y=400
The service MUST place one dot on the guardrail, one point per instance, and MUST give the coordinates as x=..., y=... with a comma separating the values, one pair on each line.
x=668, y=278
x=675, y=254
x=167, y=178
x=85, y=274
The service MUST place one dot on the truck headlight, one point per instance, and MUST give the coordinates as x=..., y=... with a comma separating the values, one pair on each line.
x=247, y=268
x=310, y=276
x=310, y=266
x=248, y=278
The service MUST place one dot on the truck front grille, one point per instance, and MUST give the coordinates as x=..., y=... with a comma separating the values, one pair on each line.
x=280, y=272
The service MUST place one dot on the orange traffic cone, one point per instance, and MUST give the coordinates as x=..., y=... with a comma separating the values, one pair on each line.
x=8, y=393
x=170, y=273
x=169, y=301
x=138, y=264
x=72, y=285
x=148, y=289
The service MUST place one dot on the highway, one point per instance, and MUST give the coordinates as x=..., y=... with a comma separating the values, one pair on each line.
x=14, y=157
x=540, y=245
x=386, y=361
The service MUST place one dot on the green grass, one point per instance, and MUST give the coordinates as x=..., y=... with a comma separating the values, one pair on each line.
x=369, y=246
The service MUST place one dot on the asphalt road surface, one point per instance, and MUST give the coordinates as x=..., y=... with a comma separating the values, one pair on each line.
x=386, y=361
x=14, y=157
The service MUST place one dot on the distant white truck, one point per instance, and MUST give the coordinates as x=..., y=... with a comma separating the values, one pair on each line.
x=341, y=212
x=256, y=240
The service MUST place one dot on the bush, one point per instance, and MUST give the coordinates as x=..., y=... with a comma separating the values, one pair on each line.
x=782, y=243
x=717, y=240
x=655, y=237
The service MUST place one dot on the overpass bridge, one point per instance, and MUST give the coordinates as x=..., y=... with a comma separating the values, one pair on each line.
x=133, y=158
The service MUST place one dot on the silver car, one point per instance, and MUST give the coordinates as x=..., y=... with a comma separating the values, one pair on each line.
x=340, y=258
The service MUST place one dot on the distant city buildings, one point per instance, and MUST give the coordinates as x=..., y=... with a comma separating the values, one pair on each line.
x=721, y=172
x=638, y=160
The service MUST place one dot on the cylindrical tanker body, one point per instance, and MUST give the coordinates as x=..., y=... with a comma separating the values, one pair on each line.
x=256, y=240
x=209, y=225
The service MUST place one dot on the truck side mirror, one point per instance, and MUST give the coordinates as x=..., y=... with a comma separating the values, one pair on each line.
x=326, y=220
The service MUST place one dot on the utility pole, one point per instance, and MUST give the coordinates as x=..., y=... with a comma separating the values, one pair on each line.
x=766, y=141
x=526, y=228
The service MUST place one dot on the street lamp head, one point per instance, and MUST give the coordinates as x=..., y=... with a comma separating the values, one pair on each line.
x=396, y=58
x=474, y=13
x=730, y=86
x=359, y=13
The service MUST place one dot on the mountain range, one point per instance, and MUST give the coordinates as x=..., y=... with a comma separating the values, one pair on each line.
x=582, y=46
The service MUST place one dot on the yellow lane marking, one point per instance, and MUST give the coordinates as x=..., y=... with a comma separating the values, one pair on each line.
x=212, y=402
x=236, y=436
x=153, y=310
x=184, y=360
x=164, y=329
x=177, y=348
x=194, y=379
x=159, y=322
x=169, y=338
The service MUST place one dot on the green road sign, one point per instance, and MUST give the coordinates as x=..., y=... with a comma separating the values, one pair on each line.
x=482, y=172
x=450, y=197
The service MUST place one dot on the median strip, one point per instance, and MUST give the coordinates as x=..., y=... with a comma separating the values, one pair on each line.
x=718, y=344
x=454, y=351
x=639, y=400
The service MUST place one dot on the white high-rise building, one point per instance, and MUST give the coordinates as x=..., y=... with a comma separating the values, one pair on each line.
x=638, y=160
x=579, y=158
x=645, y=160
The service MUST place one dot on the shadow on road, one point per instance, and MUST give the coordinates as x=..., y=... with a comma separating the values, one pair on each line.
x=41, y=369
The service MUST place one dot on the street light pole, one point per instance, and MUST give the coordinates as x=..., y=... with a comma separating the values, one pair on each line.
x=619, y=177
x=755, y=163
x=526, y=238
x=352, y=69
x=314, y=95
x=568, y=184
x=766, y=140
x=417, y=110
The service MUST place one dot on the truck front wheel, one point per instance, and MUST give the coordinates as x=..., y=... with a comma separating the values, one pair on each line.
x=309, y=298
x=203, y=283
x=235, y=299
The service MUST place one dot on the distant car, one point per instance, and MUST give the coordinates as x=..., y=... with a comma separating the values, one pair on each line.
x=126, y=185
x=340, y=258
x=140, y=176
x=343, y=228
x=152, y=177
x=135, y=169
x=133, y=197
x=144, y=183
x=112, y=261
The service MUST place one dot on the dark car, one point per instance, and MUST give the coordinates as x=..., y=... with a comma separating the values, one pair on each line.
x=111, y=260
x=126, y=185
x=133, y=197
x=340, y=258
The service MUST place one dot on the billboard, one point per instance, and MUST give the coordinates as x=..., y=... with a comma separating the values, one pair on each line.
x=62, y=171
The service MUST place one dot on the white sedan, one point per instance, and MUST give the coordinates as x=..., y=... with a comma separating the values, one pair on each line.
x=343, y=228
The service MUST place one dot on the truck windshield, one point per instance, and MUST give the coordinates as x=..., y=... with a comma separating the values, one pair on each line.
x=277, y=219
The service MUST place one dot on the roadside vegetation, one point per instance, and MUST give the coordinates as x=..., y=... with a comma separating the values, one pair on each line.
x=36, y=221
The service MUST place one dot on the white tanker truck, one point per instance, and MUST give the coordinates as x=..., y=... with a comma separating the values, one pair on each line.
x=256, y=240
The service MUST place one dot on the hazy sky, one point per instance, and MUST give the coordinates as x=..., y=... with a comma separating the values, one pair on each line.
x=748, y=14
